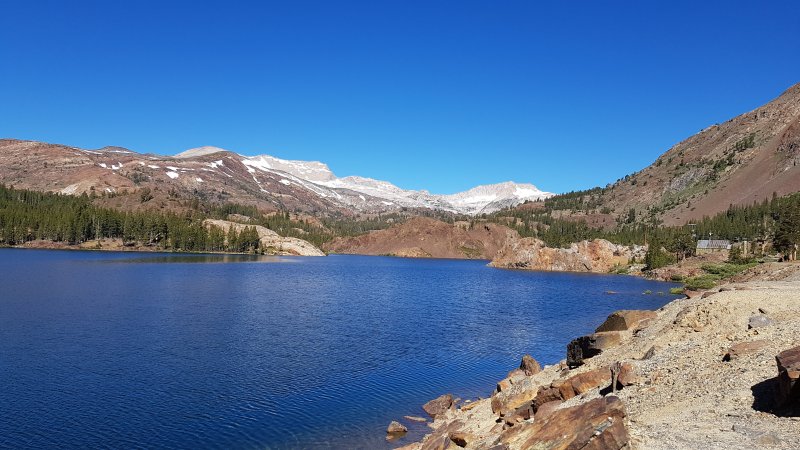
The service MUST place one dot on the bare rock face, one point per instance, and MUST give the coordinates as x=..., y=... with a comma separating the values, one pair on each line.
x=530, y=366
x=598, y=255
x=586, y=347
x=788, y=376
x=271, y=240
x=439, y=405
x=583, y=382
x=627, y=319
x=597, y=424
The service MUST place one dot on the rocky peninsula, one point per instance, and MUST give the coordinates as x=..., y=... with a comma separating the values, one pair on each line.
x=700, y=372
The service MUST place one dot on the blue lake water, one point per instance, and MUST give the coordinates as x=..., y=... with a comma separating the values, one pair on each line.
x=207, y=351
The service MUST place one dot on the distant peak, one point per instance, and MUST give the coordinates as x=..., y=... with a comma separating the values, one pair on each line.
x=199, y=151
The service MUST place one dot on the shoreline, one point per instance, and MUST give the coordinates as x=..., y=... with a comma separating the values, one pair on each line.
x=679, y=392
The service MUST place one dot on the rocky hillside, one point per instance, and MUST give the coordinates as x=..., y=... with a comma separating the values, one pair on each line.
x=746, y=159
x=211, y=174
x=429, y=238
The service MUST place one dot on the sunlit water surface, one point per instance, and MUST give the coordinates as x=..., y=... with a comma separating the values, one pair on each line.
x=159, y=350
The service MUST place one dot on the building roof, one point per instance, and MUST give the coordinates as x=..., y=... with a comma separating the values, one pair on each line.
x=714, y=244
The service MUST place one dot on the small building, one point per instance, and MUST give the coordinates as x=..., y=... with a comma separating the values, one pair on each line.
x=706, y=246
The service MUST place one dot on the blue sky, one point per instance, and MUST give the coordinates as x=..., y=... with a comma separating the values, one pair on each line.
x=428, y=95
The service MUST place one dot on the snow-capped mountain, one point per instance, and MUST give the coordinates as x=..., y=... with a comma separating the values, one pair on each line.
x=478, y=200
x=217, y=175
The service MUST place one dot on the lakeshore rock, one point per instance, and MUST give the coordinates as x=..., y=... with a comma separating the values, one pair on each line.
x=596, y=424
x=627, y=319
x=396, y=428
x=529, y=365
x=788, y=375
x=591, y=345
x=439, y=405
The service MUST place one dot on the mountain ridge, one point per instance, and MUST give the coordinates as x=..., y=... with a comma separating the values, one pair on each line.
x=218, y=175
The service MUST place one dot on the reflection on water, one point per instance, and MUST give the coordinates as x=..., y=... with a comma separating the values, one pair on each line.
x=201, y=258
x=164, y=351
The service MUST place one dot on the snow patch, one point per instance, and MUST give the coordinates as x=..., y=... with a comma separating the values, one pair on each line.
x=173, y=175
x=286, y=182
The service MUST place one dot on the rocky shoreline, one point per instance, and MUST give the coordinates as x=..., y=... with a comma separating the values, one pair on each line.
x=700, y=372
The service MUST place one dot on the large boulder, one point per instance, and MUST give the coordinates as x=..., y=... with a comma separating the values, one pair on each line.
x=583, y=382
x=591, y=345
x=529, y=365
x=788, y=375
x=396, y=428
x=627, y=319
x=439, y=405
x=596, y=424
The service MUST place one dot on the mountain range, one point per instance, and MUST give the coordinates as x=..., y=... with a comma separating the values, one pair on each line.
x=218, y=175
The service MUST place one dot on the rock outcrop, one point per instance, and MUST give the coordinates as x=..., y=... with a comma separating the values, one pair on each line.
x=272, y=241
x=598, y=255
x=597, y=424
x=627, y=319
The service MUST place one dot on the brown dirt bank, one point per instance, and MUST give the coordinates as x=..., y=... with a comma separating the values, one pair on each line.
x=422, y=237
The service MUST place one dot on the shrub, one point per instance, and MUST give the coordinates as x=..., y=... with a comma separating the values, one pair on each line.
x=676, y=290
x=701, y=282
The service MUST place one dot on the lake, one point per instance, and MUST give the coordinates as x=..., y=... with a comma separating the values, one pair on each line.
x=210, y=351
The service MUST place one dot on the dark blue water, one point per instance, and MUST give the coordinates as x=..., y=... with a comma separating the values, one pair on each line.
x=144, y=350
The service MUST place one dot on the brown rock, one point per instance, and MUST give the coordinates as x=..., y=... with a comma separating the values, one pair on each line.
x=583, y=382
x=547, y=409
x=586, y=347
x=596, y=424
x=788, y=375
x=627, y=375
x=461, y=438
x=529, y=365
x=546, y=395
x=627, y=319
x=439, y=405
x=469, y=406
x=396, y=428
x=415, y=418
x=743, y=348
x=436, y=442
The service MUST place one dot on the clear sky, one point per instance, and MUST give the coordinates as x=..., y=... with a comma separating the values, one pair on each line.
x=428, y=95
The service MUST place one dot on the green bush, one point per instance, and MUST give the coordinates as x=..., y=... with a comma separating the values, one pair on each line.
x=701, y=282
x=726, y=270
x=676, y=277
x=676, y=290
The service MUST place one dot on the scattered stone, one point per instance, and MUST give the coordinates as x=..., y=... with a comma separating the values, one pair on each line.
x=762, y=310
x=727, y=288
x=469, y=406
x=586, y=347
x=415, y=419
x=529, y=366
x=439, y=405
x=708, y=294
x=396, y=428
x=759, y=321
x=596, y=424
x=650, y=352
x=743, y=348
x=627, y=319
x=627, y=375
x=788, y=375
